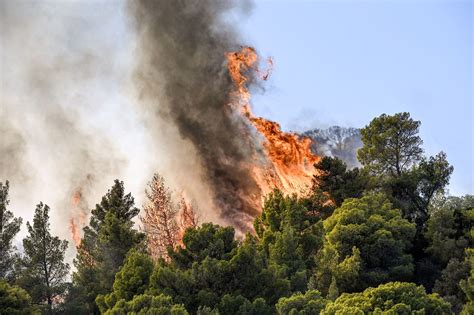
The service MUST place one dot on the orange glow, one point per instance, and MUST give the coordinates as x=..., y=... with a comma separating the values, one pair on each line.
x=78, y=217
x=289, y=158
x=76, y=198
x=75, y=233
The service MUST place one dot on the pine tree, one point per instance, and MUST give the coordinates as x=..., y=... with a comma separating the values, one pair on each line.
x=104, y=246
x=9, y=227
x=160, y=219
x=15, y=301
x=43, y=270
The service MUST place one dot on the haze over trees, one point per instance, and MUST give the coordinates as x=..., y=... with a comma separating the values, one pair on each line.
x=383, y=238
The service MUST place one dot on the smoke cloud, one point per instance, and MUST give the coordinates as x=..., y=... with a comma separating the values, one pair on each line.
x=54, y=87
x=94, y=91
x=185, y=91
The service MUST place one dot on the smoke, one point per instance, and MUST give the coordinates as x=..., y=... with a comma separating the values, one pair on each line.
x=55, y=83
x=72, y=74
x=185, y=89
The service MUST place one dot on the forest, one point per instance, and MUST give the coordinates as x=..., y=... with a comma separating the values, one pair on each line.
x=382, y=238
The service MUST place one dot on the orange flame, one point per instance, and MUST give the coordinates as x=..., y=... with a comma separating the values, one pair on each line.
x=75, y=233
x=290, y=160
x=78, y=217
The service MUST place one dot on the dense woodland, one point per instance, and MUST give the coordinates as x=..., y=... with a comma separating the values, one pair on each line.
x=384, y=238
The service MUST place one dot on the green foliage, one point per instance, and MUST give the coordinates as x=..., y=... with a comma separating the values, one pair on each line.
x=433, y=175
x=289, y=232
x=366, y=243
x=341, y=183
x=132, y=279
x=415, y=190
x=391, y=144
x=106, y=242
x=392, y=153
x=448, y=228
x=238, y=305
x=209, y=240
x=308, y=303
x=446, y=237
x=15, y=300
x=221, y=275
x=43, y=270
x=333, y=272
x=207, y=282
x=117, y=202
x=9, y=228
x=281, y=211
x=467, y=285
x=148, y=304
x=389, y=298
x=115, y=239
x=448, y=285
x=318, y=203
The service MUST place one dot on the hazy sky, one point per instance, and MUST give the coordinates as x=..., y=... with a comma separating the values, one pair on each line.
x=345, y=62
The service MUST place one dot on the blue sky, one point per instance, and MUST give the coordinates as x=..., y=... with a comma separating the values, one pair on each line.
x=345, y=62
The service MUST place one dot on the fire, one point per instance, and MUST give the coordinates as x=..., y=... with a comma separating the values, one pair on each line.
x=289, y=157
x=75, y=233
x=78, y=217
x=76, y=198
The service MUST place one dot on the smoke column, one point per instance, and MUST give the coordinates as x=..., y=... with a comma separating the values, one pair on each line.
x=93, y=91
x=185, y=93
x=54, y=97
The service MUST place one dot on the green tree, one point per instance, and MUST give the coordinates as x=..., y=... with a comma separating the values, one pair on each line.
x=448, y=228
x=209, y=240
x=116, y=238
x=318, y=203
x=239, y=305
x=15, y=300
x=467, y=285
x=391, y=144
x=334, y=178
x=448, y=285
x=308, y=303
x=104, y=246
x=389, y=298
x=446, y=237
x=43, y=270
x=9, y=227
x=392, y=153
x=132, y=279
x=221, y=268
x=366, y=243
x=432, y=175
x=287, y=221
x=289, y=231
x=148, y=304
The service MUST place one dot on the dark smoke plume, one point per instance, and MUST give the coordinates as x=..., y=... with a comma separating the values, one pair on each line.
x=182, y=77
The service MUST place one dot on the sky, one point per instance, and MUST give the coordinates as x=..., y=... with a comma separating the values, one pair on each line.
x=346, y=62
x=335, y=63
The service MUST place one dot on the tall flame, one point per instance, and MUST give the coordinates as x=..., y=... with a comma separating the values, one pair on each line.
x=78, y=216
x=289, y=158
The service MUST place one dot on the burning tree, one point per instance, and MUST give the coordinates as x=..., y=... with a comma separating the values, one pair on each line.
x=159, y=219
x=188, y=215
